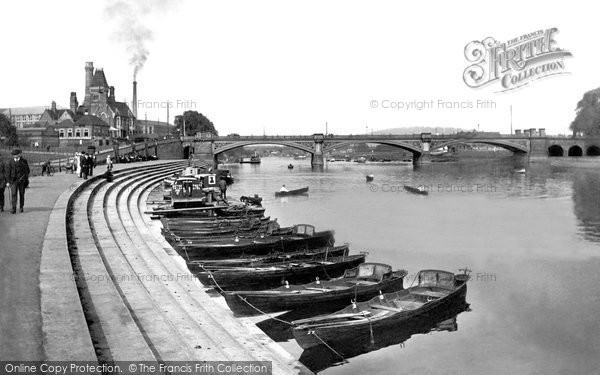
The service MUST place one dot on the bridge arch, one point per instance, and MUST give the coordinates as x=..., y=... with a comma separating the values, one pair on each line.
x=511, y=146
x=234, y=145
x=417, y=151
x=593, y=150
x=575, y=151
x=556, y=150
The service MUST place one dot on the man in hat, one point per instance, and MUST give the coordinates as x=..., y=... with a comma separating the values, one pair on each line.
x=2, y=183
x=84, y=165
x=17, y=179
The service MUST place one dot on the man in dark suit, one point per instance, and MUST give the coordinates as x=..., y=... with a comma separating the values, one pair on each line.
x=84, y=161
x=17, y=179
x=2, y=183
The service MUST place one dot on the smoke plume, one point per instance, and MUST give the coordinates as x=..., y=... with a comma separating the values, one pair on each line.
x=128, y=17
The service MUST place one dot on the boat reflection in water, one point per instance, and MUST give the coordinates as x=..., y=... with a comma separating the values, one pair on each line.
x=319, y=358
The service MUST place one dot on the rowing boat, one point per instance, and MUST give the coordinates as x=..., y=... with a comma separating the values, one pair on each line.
x=434, y=292
x=322, y=253
x=300, y=191
x=416, y=190
x=303, y=237
x=361, y=283
x=254, y=278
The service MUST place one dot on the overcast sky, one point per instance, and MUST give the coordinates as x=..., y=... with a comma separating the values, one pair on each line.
x=290, y=67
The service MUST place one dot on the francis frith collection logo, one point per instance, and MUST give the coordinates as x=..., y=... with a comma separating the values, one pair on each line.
x=514, y=63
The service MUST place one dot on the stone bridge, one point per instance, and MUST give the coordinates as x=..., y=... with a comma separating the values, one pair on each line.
x=207, y=146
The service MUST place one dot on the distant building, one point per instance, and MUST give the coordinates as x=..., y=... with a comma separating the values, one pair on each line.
x=98, y=119
x=154, y=129
x=38, y=137
x=100, y=101
x=86, y=130
x=23, y=117
x=52, y=116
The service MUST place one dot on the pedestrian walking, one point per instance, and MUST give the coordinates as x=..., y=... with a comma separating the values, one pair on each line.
x=223, y=188
x=77, y=165
x=109, y=163
x=91, y=164
x=17, y=179
x=84, y=160
x=3, y=173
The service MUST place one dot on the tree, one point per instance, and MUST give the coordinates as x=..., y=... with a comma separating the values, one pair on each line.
x=8, y=132
x=587, y=118
x=194, y=122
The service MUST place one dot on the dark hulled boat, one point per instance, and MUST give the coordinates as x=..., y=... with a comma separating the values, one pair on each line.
x=416, y=190
x=322, y=253
x=436, y=290
x=318, y=358
x=253, y=278
x=300, y=191
x=303, y=237
x=361, y=283
x=240, y=210
x=192, y=230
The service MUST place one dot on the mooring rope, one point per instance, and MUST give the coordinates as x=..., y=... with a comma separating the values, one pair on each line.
x=281, y=320
x=264, y=313
x=243, y=299
x=329, y=347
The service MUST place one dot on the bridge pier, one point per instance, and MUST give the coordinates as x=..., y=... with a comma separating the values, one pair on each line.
x=317, y=156
x=424, y=158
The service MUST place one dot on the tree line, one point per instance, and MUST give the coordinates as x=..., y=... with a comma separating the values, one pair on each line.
x=587, y=114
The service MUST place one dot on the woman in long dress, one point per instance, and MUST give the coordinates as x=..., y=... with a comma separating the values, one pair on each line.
x=77, y=165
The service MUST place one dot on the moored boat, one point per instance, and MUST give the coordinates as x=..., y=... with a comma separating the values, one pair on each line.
x=416, y=190
x=319, y=358
x=300, y=191
x=322, y=253
x=360, y=284
x=254, y=159
x=252, y=278
x=302, y=237
x=435, y=291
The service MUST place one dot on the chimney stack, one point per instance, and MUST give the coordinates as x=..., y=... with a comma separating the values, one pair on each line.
x=111, y=93
x=73, y=102
x=89, y=74
x=53, y=108
x=134, y=101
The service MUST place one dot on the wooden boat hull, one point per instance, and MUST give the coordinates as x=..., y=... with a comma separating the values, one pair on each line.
x=320, y=358
x=292, y=192
x=190, y=233
x=280, y=300
x=271, y=277
x=271, y=259
x=415, y=190
x=260, y=246
x=310, y=332
x=237, y=212
x=210, y=221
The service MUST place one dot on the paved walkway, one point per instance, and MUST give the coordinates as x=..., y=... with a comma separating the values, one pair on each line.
x=21, y=239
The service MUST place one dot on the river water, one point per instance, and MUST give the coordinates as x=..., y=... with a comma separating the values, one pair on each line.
x=532, y=241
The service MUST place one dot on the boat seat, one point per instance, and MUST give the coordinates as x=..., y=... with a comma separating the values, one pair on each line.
x=382, y=307
x=430, y=293
x=362, y=282
x=407, y=305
